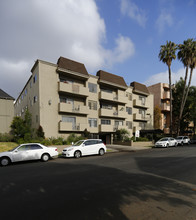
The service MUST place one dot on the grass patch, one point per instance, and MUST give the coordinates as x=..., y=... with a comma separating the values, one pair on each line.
x=5, y=146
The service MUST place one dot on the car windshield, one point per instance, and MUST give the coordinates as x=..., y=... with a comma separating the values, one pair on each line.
x=14, y=148
x=78, y=143
x=164, y=139
x=179, y=138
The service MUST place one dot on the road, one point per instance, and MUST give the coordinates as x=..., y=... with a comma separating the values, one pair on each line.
x=150, y=184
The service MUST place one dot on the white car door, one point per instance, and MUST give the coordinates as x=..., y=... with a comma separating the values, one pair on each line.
x=87, y=148
x=21, y=153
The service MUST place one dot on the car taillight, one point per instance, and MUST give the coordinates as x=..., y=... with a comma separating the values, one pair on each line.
x=56, y=149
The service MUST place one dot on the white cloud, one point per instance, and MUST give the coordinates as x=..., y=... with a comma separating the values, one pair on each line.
x=130, y=9
x=163, y=77
x=164, y=20
x=48, y=29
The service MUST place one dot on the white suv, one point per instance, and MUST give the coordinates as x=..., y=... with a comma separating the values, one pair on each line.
x=183, y=140
x=85, y=147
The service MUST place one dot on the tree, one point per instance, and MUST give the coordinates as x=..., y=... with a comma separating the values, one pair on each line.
x=166, y=55
x=21, y=128
x=189, y=113
x=157, y=117
x=187, y=55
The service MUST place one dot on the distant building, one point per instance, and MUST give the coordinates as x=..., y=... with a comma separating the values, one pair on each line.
x=6, y=111
x=64, y=98
x=162, y=100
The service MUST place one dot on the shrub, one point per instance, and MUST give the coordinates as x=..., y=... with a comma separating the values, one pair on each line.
x=6, y=137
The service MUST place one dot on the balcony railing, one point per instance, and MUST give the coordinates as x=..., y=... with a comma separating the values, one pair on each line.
x=111, y=113
x=140, y=117
x=112, y=97
x=73, y=89
x=140, y=104
x=69, y=126
x=76, y=109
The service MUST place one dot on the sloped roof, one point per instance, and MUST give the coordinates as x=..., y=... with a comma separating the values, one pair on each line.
x=140, y=88
x=72, y=65
x=4, y=95
x=111, y=78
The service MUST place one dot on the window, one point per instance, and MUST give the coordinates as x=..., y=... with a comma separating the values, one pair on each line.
x=106, y=106
x=35, y=147
x=142, y=113
x=35, y=99
x=143, y=99
x=129, y=124
x=92, y=122
x=117, y=123
x=106, y=90
x=68, y=119
x=105, y=122
x=142, y=125
x=35, y=78
x=92, y=105
x=129, y=95
x=92, y=87
x=129, y=110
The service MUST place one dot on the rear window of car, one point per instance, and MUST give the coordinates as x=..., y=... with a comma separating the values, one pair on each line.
x=35, y=147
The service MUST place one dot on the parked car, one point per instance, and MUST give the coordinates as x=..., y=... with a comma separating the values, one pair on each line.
x=24, y=152
x=85, y=147
x=166, y=142
x=183, y=140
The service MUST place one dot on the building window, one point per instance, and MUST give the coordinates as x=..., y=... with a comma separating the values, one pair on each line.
x=118, y=123
x=143, y=99
x=129, y=110
x=92, y=87
x=106, y=106
x=35, y=99
x=129, y=124
x=142, y=113
x=92, y=122
x=142, y=125
x=105, y=122
x=92, y=105
x=35, y=78
x=129, y=95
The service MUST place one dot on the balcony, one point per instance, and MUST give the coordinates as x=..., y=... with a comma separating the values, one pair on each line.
x=140, y=104
x=69, y=126
x=73, y=89
x=165, y=107
x=106, y=128
x=111, y=113
x=69, y=108
x=112, y=98
x=166, y=95
x=140, y=117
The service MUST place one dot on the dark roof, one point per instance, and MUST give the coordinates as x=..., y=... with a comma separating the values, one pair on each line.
x=72, y=65
x=4, y=95
x=111, y=78
x=139, y=88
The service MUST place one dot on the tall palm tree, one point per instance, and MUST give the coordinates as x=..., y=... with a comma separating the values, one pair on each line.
x=166, y=55
x=187, y=55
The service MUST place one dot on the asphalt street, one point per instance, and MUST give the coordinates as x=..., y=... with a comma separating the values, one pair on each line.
x=149, y=184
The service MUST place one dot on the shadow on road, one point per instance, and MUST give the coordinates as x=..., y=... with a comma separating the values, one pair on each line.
x=83, y=191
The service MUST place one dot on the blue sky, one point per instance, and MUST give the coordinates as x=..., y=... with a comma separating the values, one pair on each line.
x=122, y=37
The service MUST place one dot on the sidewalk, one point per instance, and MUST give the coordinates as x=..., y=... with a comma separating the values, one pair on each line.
x=110, y=148
x=121, y=148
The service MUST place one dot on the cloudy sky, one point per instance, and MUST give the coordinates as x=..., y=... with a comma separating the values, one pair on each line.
x=122, y=37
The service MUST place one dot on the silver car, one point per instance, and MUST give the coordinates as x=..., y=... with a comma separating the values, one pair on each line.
x=31, y=151
x=166, y=142
x=183, y=140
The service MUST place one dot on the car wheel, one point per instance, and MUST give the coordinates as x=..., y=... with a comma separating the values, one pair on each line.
x=101, y=152
x=181, y=143
x=45, y=157
x=167, y=145
x=5, y=161
x=77, y=154
x=176, y=144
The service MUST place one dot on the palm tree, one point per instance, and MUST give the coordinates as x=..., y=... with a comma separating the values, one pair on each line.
x=166, y=55
x=187, y=55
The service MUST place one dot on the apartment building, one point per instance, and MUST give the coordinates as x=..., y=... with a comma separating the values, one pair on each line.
x=162, y=99
x=6, y=111
x=64, y=98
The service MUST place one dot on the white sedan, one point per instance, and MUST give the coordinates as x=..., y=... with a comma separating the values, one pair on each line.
x=31, y=151
x=85, y=147
x=166, y=142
